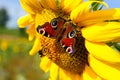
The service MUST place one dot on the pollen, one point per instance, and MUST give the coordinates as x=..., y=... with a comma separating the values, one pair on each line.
x=74, y=63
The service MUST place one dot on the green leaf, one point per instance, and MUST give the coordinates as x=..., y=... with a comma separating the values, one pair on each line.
x=117, y=46
x=96, y=6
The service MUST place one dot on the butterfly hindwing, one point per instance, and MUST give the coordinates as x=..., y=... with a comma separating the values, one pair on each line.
x=68, y=39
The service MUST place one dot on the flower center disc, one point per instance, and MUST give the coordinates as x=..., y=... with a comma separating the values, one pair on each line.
x=73, y=63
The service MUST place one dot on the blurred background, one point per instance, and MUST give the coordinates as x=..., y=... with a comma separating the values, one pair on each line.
x=15, y=62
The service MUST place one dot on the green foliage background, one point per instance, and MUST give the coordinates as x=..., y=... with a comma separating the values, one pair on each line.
x=4, y=17
x=15, y=61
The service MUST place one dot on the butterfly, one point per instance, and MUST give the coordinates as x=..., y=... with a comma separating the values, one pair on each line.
x=61, y=30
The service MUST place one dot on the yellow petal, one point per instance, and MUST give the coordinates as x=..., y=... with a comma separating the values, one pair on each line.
x=48, y=4
x=98, y=16
x=52, y=4
x=104, y=70
x=82, y=10
x=67, y=75
x=36, y=47
x=26, y=20
x=44, y=16
x=53, y=71
x=31, y=32
x=31, y=6
x=63, y=75
x=102, y=52
x=45, y=64
x=27, y=7
x=69, y=5
x=89, y=74
x=31, y=37
x=23, y=21
x=34, y=4
x=102, y=32
x=76, y=77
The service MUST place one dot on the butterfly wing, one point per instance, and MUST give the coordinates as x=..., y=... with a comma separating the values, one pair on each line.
x=61, y=30
x=68, y=39
x=51, y=29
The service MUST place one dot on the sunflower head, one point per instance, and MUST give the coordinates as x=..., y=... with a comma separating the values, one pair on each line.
x=74, y=63
x=93, y=29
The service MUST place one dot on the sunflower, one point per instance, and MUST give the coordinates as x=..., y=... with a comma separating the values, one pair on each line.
x=94, y=59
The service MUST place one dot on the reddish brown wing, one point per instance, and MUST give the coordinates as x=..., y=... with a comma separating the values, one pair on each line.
x=51, y=29
x=68, y=40
x=61, y=30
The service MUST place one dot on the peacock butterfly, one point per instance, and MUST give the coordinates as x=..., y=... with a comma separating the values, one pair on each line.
x=60, y=29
